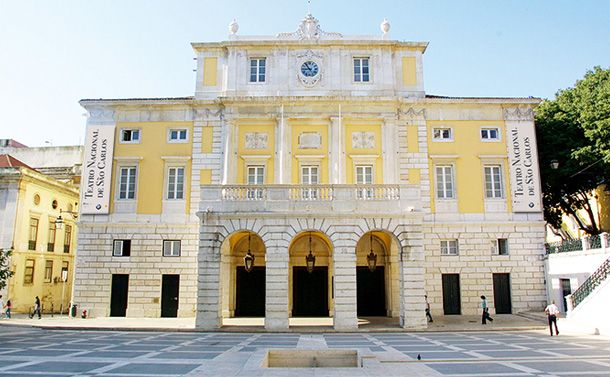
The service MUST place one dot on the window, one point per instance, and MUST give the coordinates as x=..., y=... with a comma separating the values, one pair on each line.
x=52, y=234
x=130, y=135
x=177, y=136
x=444, y=182
x=493, y=182
x=449, y=247
x=48, y=271
x=361, y=69
x=127, y=182
x=33, y=234
x=28, y=276
x=67, y=238
x=121, y=248
x=175, y=183
x=309, y=176
x=257, y=69
x=171, y=248
x=256, y=176
x=490, y=134
x=64, y=271
x=442, y=134
x=364, y=176
x=502, y=246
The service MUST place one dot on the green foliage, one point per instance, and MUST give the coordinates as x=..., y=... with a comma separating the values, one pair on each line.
x=5, y=271
x=574, y=130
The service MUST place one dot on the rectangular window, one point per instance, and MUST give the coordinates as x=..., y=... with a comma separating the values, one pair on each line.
x=177, y=136
x=171, y=248
x=449, y=247
x=256, y=176
x=28, y=276
x=309, y=176
x=444, y=182
x=64, y=271
x=121, y=248
x=502, y=246
x=130, y=135
x=490, y=134
x=493, y=182
x=175, y=183
x=364, y=176
x=258, y=69
x=127, y=182
x=48, y=271
x=442, y=134
x=52, y=234
x=361, y=69
x=33, y=234
x=67, y=238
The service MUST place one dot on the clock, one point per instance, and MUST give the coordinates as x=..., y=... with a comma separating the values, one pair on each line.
x=310, y=69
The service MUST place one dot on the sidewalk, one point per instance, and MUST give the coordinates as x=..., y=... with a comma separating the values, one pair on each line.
x=457, y=323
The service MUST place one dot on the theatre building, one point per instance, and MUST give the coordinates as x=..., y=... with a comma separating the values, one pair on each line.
x=310, y=175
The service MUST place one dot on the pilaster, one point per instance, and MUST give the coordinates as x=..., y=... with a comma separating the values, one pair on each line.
x=345, y=315
x=412, y=283
x=208, y=283
x=276, y=285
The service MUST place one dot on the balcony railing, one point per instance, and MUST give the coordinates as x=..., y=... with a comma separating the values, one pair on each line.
x=598, y=241
x=342, y=198
x=585, y=289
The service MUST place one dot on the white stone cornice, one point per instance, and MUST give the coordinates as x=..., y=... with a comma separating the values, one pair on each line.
x=519, y=113
x=412, y=113
x=101, y=115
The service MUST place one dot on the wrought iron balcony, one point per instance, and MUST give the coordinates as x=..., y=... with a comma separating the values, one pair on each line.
x=392, y=199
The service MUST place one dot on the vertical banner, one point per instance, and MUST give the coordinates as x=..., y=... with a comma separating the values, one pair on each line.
x=97, y=169
x=524, y=172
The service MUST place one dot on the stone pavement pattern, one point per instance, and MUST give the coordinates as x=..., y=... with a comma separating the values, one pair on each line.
x=26, y=351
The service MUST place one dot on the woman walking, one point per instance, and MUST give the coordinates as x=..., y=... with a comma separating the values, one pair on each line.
x=485, y=315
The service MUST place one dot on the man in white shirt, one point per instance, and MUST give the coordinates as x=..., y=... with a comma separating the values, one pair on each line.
x=552, y=311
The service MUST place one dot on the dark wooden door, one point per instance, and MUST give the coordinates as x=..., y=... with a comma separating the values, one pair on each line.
x=502, y=293
x=118, y=295
x=170, y=287
x=566, y=289
x=370, y=291
x=250, y=292
x=310, y=292
x=451, y=294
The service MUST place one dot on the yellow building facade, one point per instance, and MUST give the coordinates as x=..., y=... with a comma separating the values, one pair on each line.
x=310, y=144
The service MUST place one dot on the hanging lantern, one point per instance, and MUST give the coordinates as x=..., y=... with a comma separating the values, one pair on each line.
x=371, y=259
x=249, y=258
x=310, y=259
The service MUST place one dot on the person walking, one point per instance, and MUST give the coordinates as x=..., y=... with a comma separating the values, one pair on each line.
x=36, y=308
x=8, y=307
x=552, y=311
x=428, y=314
x=485, y=315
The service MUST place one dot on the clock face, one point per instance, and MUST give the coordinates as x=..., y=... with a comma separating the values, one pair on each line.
x=309, y=69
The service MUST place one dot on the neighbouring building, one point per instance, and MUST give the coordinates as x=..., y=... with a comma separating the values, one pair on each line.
x=303, y=145
x=43, y=248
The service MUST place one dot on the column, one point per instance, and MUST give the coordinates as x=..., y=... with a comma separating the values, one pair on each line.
x=335, y=150
x=208, y=283
x=344, y=261
x=276, y=283
x=389, y=137
x=229, y=137
x=412, y=284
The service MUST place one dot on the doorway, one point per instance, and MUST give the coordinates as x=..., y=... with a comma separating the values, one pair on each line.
x=371, y=292
x=451, y=294
x=310, y=292
x=250, y=292
x=502, y=293
x=118, y=295
x=566, y=289
x=170, y=288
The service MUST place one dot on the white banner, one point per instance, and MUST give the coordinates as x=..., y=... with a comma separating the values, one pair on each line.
x=523, y=160
x=97, y=169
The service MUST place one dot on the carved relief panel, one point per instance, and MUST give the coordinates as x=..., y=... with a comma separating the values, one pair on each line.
x=310, y=140
x=363, y=140
x=256, y=140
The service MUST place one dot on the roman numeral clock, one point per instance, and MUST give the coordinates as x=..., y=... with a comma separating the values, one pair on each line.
x=309, y=68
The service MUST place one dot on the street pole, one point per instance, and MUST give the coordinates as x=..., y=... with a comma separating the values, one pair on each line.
x=63, y=291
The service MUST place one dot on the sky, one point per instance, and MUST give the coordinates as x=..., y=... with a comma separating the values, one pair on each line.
x=54, y=53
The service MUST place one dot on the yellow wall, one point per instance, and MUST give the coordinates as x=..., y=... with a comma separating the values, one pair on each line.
x=22, y=295
x=363, y=126
x=151, y=167
x=409, y=71
x=263, y=126
x=468, y=167
x=207, y=138
x=309, y=126
x=210, y=68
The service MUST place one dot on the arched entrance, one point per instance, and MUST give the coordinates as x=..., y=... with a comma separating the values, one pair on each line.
x=377, y=275
x=242, y=288
x=310, y=288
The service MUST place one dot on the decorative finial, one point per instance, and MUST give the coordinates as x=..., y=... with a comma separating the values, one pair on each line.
x=233, y=27
x=308, y=7
x=385, y=26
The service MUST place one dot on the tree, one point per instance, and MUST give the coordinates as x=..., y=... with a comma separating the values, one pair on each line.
x=574, y=131
x=5, y=270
